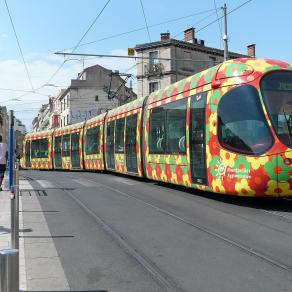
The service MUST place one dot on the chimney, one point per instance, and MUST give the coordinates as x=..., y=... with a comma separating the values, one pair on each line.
x=251, y=50
x=190, y=35
x=164, y=36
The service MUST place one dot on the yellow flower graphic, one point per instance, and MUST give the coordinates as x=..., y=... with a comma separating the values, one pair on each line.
x=209, y=155
x=243, y=188
x=227, y=158
x=213, y=123
x=217, y=186
x=272, y=188
x=257, y=162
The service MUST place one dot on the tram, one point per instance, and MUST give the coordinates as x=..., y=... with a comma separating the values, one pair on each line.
x=226, y=130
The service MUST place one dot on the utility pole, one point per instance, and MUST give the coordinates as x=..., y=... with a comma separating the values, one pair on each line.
x=11, y=149
x=225, y=37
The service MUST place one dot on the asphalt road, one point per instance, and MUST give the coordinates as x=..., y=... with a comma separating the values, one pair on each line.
x=116, y=233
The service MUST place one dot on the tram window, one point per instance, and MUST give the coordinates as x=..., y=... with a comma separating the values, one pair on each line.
x=242, y=125
x=57, y=145
x=92, y=140
x=43, y=148
x=119, y=136
x=27, y=148
x=277, y=93
x=157, y=131
x=176, y=126
x=66, y=145
x=168, y=128
x=39, y=148
x=35, y=149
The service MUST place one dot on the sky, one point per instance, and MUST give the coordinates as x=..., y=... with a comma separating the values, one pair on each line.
x=47, y=26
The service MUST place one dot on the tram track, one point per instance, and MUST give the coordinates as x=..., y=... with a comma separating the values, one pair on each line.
x=163, y=280
x=160, y=277
x=244, y=248
x=279, y=215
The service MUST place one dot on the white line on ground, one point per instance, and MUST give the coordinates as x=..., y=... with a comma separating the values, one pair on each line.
x=45, y=183
x=85, y=183
x=124, y=181
x=25, y=185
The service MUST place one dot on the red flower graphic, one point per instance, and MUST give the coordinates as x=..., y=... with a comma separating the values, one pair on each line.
x=259, y=180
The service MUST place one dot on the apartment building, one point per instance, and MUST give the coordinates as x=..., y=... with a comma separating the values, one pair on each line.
x=169, y=60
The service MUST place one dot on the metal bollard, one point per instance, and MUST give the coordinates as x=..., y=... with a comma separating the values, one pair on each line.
x=9, y=273
x=15, y=210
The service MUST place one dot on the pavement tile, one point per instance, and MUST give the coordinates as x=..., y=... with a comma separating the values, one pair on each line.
x=43, y=268
x=41, y=250
x=55, y=284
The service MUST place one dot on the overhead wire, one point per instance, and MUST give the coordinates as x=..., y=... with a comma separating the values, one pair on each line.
x=145, y=20
x=199, y=21
x=79, y=42
x=219, y=25
x=231, y=11
x=19, y=46
x=139, y=29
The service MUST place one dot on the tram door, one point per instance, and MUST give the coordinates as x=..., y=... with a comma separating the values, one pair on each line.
x=197, y=138
x=131, y=155
x=75, y=157
x=27, y=154
x=57, y=152
x=110, y=145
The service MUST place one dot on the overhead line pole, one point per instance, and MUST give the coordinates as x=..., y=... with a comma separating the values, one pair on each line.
x=225, y=37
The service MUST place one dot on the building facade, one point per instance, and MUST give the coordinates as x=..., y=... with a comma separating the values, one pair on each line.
x=42, y=121
x=4, y=121
x=19, y=134
x=169, y=60
x=96, y=90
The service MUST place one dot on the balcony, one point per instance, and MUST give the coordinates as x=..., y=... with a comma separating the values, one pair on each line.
x=156, y=69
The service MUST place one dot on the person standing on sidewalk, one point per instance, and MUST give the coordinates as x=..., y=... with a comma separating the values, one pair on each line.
x=3, y=160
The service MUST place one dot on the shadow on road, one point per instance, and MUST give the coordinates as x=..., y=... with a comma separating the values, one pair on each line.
x=271, y=204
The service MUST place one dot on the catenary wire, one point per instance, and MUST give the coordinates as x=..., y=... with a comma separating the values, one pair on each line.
x=219, y=26
x=139, y=29
x=199, y=21
x=145, y=20
x=231, y=11
x=19, y=46
x=79, y=42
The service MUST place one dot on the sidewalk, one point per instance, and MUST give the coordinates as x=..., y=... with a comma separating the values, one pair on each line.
x=5, y=235
x=39, y=263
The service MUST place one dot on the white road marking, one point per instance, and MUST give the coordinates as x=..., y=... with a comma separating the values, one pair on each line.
x=46, y=184
x=25, y=185
x=286, y=215
x=85, y=183
x=125, y=181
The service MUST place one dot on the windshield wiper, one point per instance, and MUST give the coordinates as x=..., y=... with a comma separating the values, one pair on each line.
x=289, y=126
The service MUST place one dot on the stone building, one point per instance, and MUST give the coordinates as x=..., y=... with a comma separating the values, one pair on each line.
x=41, y=122
x=4, y=121
x=95, y=90
x=180, y=60
x=19, y=133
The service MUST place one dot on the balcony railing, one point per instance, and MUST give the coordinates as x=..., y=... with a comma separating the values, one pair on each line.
x=153, y=69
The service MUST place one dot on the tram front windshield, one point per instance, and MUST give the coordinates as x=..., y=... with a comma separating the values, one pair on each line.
x=277, y=92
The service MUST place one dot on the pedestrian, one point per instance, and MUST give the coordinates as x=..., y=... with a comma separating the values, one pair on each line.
x=3, y=160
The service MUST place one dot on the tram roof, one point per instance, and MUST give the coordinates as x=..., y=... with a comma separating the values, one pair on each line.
x=95, y=121
x=131, y=106
x=69, y=129
x=232, y=69
x=38, y=135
